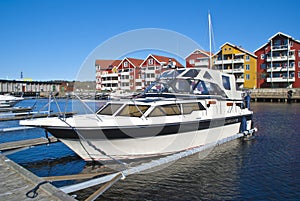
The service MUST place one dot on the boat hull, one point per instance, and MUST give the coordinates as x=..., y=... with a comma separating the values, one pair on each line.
x=147, y=141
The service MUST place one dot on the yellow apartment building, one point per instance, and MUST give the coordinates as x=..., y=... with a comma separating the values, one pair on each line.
x=241, y=63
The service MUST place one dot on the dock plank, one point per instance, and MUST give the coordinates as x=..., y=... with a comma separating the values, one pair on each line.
x=16, y=181
x=26, y=143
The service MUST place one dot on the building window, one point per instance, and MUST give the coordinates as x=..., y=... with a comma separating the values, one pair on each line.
x=125, y=64
x=247, y=57
x=192, y=61
x=247, y=67
x=262, y=56
x=150, y=62
x=298, y=74
x=299, y=64
x=263, y=66
x=247, y=77
x=298, y=53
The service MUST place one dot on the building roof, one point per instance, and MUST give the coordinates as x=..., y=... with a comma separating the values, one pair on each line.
x=202, y=51
x=277, y=34
x=107, y=64
x=161, y=59
x=133, y=61
x=237, y=47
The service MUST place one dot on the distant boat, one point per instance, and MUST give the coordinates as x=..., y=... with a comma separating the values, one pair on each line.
x=9, y=100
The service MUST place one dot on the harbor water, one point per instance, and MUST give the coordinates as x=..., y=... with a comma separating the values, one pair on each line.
x=264, y=168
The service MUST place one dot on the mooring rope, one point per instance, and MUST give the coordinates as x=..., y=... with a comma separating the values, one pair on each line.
x=34, y=190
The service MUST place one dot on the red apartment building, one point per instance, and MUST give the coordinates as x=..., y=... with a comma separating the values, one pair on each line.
x=154, y=65
x=131, y=74
x=107, y=74
x=198, y=58
x=278, y=62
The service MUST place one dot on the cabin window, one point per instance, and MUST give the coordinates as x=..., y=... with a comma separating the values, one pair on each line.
x=247, y=58
x=191, y=73
x=247, y=67
x=226, y=82
x=133, y=110
x=188, y=108
x=262, y=56
x=200, y=88
x=207, y=76
x=125, y=64
x=247, y=77
x=109, y=109
x=165, y=110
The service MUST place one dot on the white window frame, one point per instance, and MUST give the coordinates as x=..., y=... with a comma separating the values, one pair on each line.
x=262, y=56
x=298, y=53
x=126, y=64
x=247, y=76
x=192, y=61
x=298, y=64
x=150, y=61
x=247, y=58
x=247, y=66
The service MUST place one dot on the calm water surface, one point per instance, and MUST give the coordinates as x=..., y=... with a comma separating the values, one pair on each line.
x=265, y=168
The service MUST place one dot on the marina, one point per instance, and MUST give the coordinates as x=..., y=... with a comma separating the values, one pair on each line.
x=231, y=151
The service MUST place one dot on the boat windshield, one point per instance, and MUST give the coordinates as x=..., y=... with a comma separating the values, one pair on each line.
x=109, y=109
x=186, y=86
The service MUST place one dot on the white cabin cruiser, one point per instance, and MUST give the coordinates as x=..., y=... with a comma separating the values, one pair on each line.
x=184, y=109
x=9, y=101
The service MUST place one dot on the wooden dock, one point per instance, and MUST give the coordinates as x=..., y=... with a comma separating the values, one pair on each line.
x=26, y=143
x=16, y=182
x=30, y=115
x=275, y=95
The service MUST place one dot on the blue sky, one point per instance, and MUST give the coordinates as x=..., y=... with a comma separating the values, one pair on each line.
x=50, y=39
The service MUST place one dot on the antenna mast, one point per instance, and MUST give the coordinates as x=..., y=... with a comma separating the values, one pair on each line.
x=209, y=32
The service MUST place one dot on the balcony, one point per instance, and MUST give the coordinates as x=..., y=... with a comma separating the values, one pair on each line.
x=238, y=60
x=229, y=61
x=109, y=75
x=109, y=81
x=235, y=70
x=280, y=69
x=202, y=63
x=281, y=79
x=280, y=58
x=279, y=47
x=239, y=80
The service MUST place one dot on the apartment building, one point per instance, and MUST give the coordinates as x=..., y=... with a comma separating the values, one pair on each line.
x=278, y=63
x=241, y=63
x=198, y=59
x=131, y=74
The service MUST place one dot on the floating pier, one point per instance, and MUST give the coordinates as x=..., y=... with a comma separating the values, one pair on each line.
x=16, y=184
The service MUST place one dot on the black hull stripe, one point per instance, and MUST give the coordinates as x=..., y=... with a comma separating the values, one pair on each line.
x=143, y=131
